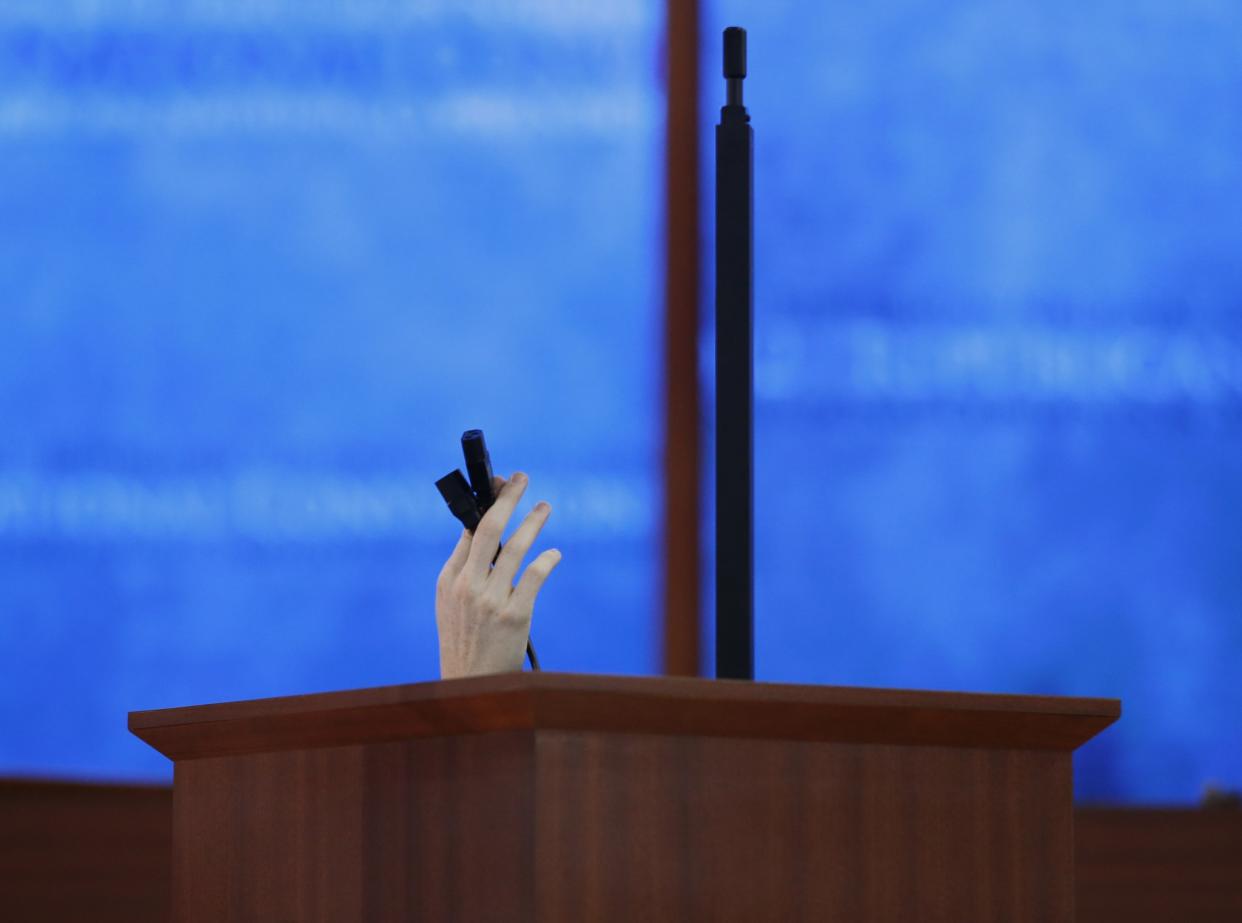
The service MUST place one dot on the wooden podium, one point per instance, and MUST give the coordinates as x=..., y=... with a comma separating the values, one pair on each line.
x=555, y=797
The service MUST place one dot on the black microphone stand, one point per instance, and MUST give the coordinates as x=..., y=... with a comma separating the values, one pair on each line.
x=735, y=642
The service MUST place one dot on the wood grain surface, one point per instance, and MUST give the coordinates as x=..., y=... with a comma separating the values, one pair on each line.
x=1153, y=865
x=662, y=828
x=73, y=851
x=427, y=829
x=562, y=797
x=651, y=705
x=571, y=826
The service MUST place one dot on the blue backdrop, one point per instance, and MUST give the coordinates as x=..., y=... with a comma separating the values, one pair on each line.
x=999, y=359
x=261, y=264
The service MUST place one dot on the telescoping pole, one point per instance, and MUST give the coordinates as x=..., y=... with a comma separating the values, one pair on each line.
x=735, y=643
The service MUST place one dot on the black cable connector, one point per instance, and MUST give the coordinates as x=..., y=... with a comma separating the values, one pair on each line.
x=461, y=503
x=479, y=468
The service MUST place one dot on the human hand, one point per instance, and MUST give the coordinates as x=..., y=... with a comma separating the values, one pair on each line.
x=483, y=619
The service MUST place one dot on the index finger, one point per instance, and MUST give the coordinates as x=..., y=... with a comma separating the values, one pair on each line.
x=487, y=534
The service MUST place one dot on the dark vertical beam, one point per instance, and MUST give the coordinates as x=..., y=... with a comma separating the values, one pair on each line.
x=734, y=388
x=682, y=449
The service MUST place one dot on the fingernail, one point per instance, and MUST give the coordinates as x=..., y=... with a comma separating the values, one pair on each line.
x=518, y=477
x=543, y=506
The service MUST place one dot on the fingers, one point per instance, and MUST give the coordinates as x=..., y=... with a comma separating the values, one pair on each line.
x=518, y=544
x=457, y=560
x=523, y=599
x=487, y=535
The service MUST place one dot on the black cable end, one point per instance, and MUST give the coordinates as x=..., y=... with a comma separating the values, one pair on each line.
x=456, y=492
x=735, y=52
x=478, y=468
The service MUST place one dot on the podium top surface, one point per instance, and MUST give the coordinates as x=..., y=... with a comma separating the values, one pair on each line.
x=625, y=704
